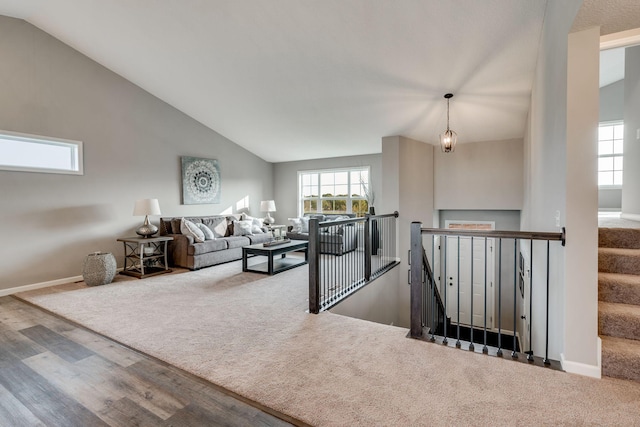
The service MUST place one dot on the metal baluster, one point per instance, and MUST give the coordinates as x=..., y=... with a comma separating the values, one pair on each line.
x=546, y=344
x=499, y=353
x=432, y=303
x=485, y=349
x=445, y=341
x=471, y=346
x=514, y=353
x=458, y=298
x=530, y=352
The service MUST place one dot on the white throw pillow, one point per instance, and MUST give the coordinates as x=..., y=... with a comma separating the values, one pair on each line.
x=208, y=234
x=296, y=225
x=242, y=228
x=304, y=221
x=188, y=228
x=256, y=224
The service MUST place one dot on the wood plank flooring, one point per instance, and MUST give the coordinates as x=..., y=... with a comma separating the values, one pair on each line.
x=55, y=373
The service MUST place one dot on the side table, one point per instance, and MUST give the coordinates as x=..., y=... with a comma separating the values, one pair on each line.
x=145, y=256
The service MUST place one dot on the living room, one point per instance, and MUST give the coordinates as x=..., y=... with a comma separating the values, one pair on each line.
x=133, y=142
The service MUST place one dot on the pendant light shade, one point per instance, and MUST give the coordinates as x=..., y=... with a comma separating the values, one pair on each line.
x=448, y=138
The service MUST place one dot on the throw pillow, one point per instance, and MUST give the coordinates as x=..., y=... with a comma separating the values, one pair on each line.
x=217, y=224
x=256, y=224
x=304, y=221
x=188, y=228
x=296, y=225
x=208, y=234
x=242, y=228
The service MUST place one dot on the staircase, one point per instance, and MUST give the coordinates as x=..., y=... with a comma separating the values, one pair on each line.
x=619, y=301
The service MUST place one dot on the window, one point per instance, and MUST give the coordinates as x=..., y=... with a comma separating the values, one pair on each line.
x=334, y=191
x=610, y=147
x=31, y=153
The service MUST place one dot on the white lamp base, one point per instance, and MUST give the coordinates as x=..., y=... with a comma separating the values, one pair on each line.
x=268, y=220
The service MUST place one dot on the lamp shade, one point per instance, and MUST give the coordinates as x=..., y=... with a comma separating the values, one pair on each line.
x=146, y=207
x=268, y=206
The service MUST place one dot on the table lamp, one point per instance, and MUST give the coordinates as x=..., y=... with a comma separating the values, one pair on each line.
x=268, y=206
x=146, y=207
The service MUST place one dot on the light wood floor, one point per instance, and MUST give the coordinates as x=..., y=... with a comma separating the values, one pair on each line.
x=55, y=373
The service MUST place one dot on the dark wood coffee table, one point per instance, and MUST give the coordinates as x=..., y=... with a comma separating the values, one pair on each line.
x=274, y=265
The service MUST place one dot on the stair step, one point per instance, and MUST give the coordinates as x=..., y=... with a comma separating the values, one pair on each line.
x=617, y=260
x=621, y=358
x=619, y=238
x=619, y=320
x=620, y=288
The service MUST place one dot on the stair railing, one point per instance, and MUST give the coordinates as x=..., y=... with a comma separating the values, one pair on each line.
x=346, y=255
x=427, y=302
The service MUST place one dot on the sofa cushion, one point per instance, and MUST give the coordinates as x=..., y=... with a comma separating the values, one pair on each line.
x=217, y=224
x=189, y=228
x=237, y=241
x=207, y=246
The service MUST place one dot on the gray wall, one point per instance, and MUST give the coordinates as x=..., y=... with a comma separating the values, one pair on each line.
x=631, y=178
x=504, y=220
x=611, y=108
x=482, y=175
x=286, y=180
x=132, y=148
x=612, y=102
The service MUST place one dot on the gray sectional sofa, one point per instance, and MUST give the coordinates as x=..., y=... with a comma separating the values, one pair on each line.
x=184, y=251
x=337, y=240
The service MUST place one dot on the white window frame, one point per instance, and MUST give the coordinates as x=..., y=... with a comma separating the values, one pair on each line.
x=609, y=123
x=75, y=150
x=320, y=199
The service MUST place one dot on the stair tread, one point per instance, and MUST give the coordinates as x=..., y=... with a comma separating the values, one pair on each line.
x=619, y=237
x=619, y=251
x=619, y=260
x=622, y=345
x=619, y=320
x=632, y=279
x=619, y=288
x=619, y=308
x=620, y=358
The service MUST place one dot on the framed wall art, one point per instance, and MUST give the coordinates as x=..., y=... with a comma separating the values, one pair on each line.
x=201, y=181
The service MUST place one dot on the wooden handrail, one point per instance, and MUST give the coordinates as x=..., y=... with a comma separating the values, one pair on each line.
x=498, y=234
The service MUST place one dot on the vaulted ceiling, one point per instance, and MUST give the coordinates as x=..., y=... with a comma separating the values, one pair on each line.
x=291, y=79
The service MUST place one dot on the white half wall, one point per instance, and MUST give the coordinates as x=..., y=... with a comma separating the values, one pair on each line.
x=480, y=175
x=581, y=251
x=545, y=172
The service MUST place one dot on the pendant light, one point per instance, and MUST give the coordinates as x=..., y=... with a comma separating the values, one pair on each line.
x=448, y=138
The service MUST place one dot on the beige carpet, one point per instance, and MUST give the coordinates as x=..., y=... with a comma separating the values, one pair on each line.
x=250, y=334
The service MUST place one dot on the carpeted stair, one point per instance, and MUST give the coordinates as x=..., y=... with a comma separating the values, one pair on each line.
x=619, y=301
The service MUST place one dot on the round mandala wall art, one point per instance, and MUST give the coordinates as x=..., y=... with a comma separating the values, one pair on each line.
x=200, y=181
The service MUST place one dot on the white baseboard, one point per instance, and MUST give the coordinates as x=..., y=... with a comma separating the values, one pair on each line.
x=24, y=288
x=593, y=371
x=632, y=217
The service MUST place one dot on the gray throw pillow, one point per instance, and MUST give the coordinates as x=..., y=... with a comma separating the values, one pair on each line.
x=208, y=234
